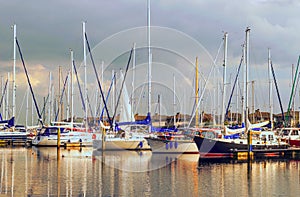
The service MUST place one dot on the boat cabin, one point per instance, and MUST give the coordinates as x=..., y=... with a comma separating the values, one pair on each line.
x=267, y=136
x=290, y=133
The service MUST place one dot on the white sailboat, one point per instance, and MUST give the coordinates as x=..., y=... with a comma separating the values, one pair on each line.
x=178, y=142
x=8, y=132
x=69, y=131
x=124, y=139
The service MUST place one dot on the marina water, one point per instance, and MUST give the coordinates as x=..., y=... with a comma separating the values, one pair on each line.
x=84, y=172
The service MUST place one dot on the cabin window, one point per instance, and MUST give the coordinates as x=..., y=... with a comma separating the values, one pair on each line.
x=53, y=131
x=295, y=132
x=271, y=137
x=209, y=135
x=285, y=132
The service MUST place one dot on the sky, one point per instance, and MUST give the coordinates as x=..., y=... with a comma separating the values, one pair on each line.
x=46, y=30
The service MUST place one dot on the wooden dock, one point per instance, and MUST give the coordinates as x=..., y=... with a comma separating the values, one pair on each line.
x=72, y=144
x=290, y=153
x=17, y=142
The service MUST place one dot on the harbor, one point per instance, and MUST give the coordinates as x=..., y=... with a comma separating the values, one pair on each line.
x=149, y=98
x=41, y=171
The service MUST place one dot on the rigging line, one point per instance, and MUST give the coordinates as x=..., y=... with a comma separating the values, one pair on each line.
x=293, y=100
x=79, y=87
x=107, y=96
x=3, y=93
x=95, y=70
x=140, y=97
x=233, y=88
x=44, y=105
x=28, y=80
x=201, y=96
x=61, y=97
x=215, y=60
x=292, y=93
x=205, y=84
x=277, y=90
x=122, y=85
x=88, y=100
x=19, y=112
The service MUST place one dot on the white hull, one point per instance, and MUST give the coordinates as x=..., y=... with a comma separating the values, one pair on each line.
x=170, y=146
x=86, y=139
x=122, y=144
x=12, y=135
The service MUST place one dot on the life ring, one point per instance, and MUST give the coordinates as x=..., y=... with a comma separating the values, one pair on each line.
x=94, y=136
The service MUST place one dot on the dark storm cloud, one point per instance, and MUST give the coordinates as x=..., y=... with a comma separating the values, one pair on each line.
x=47, y=29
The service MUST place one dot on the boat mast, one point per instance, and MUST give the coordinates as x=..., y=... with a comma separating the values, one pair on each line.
x=7, y=97
x=2, y=91
x=174, y=101
x=72, y=88
x=270, y=89
x=158, y=98
x=133, y=81
x=68, y=97
x=14, y=73
x=102, y=82
x=224, y=78
x=50, y=98
x=27, y=108
x=32, y=105
x=196, y=95
x=215, y=100
x=85, y=76
x=113, y=73
x=237, y=103
x=149, y=61
x=253, y=107
x=59, y=92
x=246, y=90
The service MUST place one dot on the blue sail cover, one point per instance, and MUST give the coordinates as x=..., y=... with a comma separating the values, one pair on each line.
x=164, y=129
x=8, y=123
x=146, y=121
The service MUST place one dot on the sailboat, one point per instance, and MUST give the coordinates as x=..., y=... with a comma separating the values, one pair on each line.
x=8, y=132
x=109, y=139
x=212, y=145
x=178, y=141
x=70, y=133
x=122, y=138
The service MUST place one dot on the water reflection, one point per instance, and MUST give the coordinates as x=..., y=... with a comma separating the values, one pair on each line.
x=84, y=172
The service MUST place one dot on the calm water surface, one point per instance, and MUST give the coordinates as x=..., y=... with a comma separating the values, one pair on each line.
x=40, y=172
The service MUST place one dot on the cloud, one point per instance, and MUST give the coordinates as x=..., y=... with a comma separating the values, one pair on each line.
x=47, y=29
x=39, y=79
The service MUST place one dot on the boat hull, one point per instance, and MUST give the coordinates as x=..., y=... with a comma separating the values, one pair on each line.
x=84, y=138
x=222, y=147
x=122, y=144
x=172, y=146
x=294, y=143
x=13, y=135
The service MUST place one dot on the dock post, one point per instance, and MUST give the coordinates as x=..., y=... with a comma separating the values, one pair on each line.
x=103, y=139
x=58, y=138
